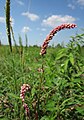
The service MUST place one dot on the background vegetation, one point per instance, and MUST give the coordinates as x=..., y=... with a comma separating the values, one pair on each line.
x=56, y=80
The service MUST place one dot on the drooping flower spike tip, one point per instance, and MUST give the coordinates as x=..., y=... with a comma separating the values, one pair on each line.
x=52, y=33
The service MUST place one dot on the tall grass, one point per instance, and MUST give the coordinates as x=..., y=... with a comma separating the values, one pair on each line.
x=21, y=46
x=26, y=39
x=56, y=88
x=8, y=23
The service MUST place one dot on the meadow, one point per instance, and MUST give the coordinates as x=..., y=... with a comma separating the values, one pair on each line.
x=41, y=83
x=56, y=82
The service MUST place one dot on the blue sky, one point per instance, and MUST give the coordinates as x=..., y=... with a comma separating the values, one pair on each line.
x=37, y=18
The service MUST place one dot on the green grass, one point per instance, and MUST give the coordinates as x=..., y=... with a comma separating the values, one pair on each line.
x=58, y=92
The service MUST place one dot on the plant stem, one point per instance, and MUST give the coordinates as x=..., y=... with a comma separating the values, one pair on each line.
x=8, y=23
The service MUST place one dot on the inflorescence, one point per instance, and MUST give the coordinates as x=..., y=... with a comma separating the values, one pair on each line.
x=52, y=33
x=23, y=90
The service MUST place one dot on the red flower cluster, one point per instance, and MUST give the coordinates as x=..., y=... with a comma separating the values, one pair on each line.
x=23, y=90
x=52, y=33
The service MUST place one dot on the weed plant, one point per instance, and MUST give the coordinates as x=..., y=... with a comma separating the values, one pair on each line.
x=56, y=80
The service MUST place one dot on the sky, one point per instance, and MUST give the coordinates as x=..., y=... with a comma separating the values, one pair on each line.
x=36, y=18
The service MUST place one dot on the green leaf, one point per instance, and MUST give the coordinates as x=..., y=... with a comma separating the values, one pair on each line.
x=71, y=57
x=33, y=91
x=13, y=95
x=50, y=105
x=80, y=110
x=66, y=64
x=65, y=101
x=45, y=118
x=61, y=54
x=4, y=118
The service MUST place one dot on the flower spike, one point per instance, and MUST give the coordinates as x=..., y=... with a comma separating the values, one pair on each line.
x=52, y=33
x=23, y=90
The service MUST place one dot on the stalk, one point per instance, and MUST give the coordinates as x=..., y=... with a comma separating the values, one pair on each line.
x=26, y=41
x=8, y=23
x=13, y=38
x=21, y=47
